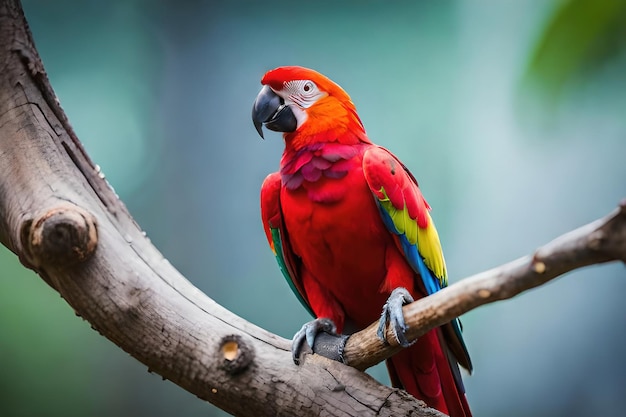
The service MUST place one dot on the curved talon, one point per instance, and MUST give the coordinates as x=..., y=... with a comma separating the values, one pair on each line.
x=392, y=314
x=309, y=332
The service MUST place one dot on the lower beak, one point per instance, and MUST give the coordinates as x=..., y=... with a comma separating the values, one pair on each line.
x=269, y=109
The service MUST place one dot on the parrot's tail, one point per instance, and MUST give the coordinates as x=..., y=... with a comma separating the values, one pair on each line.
x=429, y=372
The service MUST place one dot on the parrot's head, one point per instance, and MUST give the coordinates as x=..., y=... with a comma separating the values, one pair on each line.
x=302, y=102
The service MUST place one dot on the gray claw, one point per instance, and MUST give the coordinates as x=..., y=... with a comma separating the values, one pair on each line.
x=309, y=332
x=392, y=314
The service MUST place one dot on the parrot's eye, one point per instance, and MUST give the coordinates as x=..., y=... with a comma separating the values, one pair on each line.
x=303, y=92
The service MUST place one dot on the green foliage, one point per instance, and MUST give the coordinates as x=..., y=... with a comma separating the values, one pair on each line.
x=580, y=38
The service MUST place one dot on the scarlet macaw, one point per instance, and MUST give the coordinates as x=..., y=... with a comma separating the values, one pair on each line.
x=352, y=232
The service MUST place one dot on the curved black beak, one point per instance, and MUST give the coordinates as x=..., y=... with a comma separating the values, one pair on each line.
x=269, y=109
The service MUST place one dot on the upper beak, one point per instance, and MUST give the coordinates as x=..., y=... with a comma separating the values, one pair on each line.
x=270, y=109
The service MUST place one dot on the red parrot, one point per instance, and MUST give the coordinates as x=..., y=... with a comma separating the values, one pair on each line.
x=352, y=232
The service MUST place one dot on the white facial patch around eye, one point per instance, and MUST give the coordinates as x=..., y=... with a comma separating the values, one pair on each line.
x=304, y=93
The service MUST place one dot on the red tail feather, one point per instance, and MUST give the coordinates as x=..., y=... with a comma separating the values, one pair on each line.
x=424, y=371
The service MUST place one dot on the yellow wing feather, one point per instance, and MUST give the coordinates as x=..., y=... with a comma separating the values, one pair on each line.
x=429, y=246
x=425, y=239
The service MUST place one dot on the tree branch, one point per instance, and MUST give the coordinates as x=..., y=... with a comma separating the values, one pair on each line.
x=61, y=218
x=603, y=240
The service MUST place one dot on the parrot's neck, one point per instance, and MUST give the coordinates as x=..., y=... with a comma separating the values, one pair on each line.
x=302, y=138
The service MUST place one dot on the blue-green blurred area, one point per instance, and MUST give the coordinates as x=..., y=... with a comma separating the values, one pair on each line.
x=160, y=93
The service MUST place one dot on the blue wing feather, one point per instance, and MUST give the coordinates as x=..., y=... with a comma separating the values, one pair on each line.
x=411, y=252
x=381, y=171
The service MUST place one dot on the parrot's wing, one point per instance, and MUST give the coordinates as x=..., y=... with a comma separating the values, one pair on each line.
x=271, y=214
x=405, y=213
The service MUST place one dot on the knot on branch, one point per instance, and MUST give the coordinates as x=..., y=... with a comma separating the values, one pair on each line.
x=610, y=237
x=62, y=236
x=236, y=354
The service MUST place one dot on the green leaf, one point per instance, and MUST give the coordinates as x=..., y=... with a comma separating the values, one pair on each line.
x=581, y=37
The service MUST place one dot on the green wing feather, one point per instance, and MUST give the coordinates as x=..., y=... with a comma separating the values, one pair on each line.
x=277, y=236
x=277, y=248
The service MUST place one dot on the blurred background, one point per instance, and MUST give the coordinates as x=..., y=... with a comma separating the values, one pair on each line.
x=512, y=115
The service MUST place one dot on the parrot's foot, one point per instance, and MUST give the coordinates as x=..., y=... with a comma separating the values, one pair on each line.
x=392, y=314
x=321, y=335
